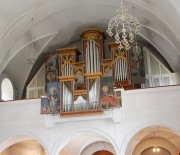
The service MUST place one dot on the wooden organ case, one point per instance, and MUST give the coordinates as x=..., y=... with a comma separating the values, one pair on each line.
x=67, y=79
x=81, y=81
x=121, y=71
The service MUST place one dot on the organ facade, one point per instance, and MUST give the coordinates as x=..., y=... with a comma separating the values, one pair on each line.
x=94, y=83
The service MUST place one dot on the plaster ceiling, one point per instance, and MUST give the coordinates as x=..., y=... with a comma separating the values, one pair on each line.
x=57, y=23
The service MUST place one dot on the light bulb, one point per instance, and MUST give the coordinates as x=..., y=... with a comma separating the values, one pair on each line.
x=154, y=149
x=158, y=149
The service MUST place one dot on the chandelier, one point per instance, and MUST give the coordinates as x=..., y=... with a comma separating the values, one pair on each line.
x=126, y=27
x=156, y=149
x=32, y=60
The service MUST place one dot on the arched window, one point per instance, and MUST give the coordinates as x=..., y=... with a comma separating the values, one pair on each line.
x=7, y=91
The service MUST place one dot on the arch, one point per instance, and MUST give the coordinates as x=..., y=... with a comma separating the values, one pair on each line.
x=102, y=152
x=96, y=147
x=150, y=143
x=7, y=90
x=61, y=142
x=8, y=140
x=142, y=126
x=162, y=151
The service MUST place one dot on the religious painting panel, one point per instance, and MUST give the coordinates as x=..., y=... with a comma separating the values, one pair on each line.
x=50, y=104
x=52, y=66
x=109, y=97
x=45, y=108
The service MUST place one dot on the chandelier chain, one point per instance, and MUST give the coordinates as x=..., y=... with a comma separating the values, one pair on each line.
x=32, y=60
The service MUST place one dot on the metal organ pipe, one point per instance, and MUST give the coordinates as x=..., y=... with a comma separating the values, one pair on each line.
x=64, y=99
x=93, y=96
x=120, y=70
x=96, y=95
x=92, y=44
x=67, y=99
x=88, y=58
x=93, y=66
x=67, y=95
x=95, y=55
x=98, y=60
x=92, y=58
x=125, y=75
x=67, y=70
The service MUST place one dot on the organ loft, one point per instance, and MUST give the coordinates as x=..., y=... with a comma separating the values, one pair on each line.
x=89, y=85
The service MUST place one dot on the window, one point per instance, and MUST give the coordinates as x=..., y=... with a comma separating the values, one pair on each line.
x=7, y=91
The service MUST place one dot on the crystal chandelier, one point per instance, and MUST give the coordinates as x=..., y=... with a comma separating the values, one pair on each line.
x=126, y=27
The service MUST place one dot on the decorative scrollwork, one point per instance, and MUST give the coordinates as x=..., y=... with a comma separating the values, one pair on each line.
x=68, y=84
x=120, y=53
x=79, y=70
x=92, y=37
x=106, y=68
x=84, y=96
x=67, y=59
x=91, y=83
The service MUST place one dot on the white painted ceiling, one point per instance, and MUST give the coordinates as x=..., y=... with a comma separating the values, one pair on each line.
x=57, y=23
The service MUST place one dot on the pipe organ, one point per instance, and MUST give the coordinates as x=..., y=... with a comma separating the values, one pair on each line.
x=81, y=81
x=121, y=66
x=67, y=58
x=92, y=40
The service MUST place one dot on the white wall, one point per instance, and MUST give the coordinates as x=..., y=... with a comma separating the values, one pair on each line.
x=141, y=108
x=176, y=77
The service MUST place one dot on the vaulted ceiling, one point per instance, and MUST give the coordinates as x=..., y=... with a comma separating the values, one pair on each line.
x=57, y=23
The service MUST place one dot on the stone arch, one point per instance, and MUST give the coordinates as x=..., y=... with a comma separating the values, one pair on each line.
x=129, y=137
x=96, y=147
x=159, y=142
x=60, y=143
x=8, y=140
